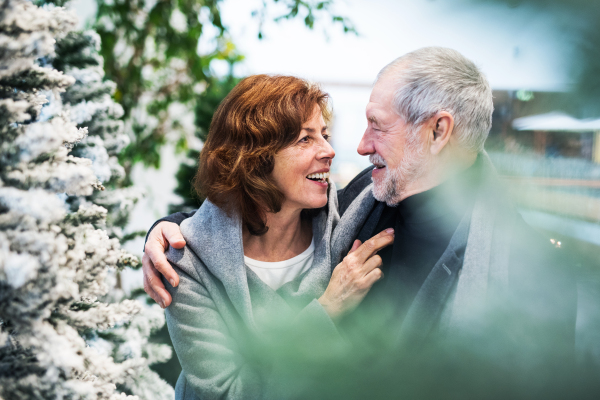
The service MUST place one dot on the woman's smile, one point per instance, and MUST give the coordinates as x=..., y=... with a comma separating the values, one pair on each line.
x=321, y=178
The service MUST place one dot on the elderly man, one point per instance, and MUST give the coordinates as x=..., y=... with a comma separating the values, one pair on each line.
x=461, y=253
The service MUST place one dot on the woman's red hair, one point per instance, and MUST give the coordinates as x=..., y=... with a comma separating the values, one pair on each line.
x=261, y=116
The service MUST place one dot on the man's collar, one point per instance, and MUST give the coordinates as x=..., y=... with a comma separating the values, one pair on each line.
x=455, y=195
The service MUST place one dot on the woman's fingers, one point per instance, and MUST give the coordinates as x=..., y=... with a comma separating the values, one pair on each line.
x=372, y=277
x=373, y=245
x=353, y=277
x=355, y=245
x=371, y=264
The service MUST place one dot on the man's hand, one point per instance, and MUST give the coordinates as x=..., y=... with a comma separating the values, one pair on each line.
x=163, y=235
x=353, y=277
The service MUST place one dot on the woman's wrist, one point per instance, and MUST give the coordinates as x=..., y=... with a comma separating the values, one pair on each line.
x=330, y=308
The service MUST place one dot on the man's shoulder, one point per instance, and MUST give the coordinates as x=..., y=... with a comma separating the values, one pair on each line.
x=541, y=269
x=530, y=243
x=354, y=188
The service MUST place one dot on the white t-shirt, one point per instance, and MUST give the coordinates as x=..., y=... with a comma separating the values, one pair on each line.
x=276, y=274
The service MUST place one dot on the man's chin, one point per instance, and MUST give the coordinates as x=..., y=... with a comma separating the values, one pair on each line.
x=383, y=194
x=378, y=187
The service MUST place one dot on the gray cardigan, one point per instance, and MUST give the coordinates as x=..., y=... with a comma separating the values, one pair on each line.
x=224, y=320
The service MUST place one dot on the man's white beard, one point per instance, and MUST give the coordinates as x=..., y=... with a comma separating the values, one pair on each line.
x=414, y=164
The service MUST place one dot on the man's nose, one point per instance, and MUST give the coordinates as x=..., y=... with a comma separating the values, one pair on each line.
x=365, y=147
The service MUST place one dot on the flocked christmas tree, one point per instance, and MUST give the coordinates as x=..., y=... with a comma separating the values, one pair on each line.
x=90, y=104
x=63, y=332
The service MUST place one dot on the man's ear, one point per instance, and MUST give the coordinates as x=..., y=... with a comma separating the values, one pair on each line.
x=442, y=125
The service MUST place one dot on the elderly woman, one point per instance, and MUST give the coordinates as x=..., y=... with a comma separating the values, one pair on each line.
x=256, y=268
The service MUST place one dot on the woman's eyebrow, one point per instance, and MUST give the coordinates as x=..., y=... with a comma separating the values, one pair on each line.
x=311, y=130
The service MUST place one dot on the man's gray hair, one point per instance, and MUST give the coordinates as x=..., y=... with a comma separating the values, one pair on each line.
x=434, y=79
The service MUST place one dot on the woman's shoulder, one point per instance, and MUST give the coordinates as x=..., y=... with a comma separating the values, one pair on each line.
x=209, y=220
x=185, y=260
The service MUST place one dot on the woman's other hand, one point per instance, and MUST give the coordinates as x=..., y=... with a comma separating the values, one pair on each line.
x=353, y=277
x=154, y=262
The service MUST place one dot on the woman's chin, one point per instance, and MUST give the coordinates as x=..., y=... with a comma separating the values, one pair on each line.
x=317, y=203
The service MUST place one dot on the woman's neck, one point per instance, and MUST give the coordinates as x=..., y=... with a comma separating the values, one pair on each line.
x=288, y=236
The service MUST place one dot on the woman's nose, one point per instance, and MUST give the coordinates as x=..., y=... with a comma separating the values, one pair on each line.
x=327, y=151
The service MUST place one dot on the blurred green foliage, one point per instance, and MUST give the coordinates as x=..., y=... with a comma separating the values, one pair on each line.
x=206, y=106
x=501, y=357
x=144, y=52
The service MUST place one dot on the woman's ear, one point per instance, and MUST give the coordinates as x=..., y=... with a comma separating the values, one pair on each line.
x=442, y=127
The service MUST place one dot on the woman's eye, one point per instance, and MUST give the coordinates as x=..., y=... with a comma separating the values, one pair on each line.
x=326, y=136
x=304, y=140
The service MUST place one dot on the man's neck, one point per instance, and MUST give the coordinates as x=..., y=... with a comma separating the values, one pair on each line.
x=288, y=235
x=439, y=173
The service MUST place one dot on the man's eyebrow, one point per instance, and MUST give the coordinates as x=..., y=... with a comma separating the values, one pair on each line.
x=373, y=119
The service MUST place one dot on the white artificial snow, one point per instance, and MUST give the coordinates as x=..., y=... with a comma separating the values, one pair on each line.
x=18, y=268
x=57, y=261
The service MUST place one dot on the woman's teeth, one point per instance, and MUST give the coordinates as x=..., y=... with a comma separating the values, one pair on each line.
x=323, y=176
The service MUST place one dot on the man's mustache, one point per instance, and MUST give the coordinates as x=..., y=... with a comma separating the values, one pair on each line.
x=377, y=160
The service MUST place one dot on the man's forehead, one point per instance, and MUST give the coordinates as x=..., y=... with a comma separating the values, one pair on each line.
x=383, y=91
x=378, y=108
x=371, y=111
x=382, y=96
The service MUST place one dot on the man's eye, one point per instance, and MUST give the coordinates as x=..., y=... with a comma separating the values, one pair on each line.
x=326, y=136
